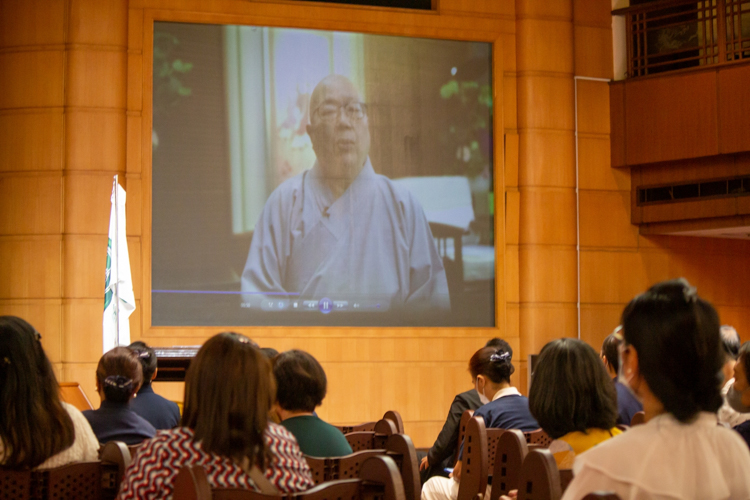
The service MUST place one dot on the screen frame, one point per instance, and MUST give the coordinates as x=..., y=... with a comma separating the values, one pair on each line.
x=334, y=17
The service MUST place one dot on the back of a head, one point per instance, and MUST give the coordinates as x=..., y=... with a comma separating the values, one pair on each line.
x=571, y=390
x=147, y=357
x=730, y=340
x=494, y=362
x=229, y=389
x=119, y=374
x=609, y=350
x=33, y=423
x=300, y=381
x=676, y=336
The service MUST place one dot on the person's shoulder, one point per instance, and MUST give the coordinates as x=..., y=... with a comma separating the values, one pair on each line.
x=75, y=414
x=276, y=433
x=469, y=399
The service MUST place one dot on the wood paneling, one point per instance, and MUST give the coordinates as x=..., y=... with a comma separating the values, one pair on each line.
x=42, y=84
x=30, y=204
x=84, y=374
x=31, y=140
x=617, y=123
x=612, y=277
x=30, y=267
x=511, y=274
x=108, y=28
x=32, y=22
x=548, y=274
x=605, y=220
x=734, y=109
x=45, y=315
x=547, y=45
x=548, y=216
x=510, y=112
x=135, y=82
x=593, y=107
x=95, y=140
x=546, y=158
x=545, y=322
x=479, y=7
x=702, y=209
x=96, y=78
x=134, y=203
x=665, y=120
x=87, y=202
x=512, y=217
x=593, y=52
x=546, y=101
x=594, y=171
x=134, y=144
x=592, y=13
x=83, y=256
x=82, y=330
x=511, y=160
x=562, y=9
x=598, y=321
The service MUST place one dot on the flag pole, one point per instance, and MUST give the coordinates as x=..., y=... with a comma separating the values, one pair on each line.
x=117, y=264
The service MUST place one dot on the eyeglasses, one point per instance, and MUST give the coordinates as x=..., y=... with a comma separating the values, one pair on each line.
x=353, y=110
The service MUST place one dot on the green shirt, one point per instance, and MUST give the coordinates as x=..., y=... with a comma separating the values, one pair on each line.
x=317, y=438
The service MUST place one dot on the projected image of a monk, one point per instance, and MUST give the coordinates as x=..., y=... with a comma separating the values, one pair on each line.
x=339, y=230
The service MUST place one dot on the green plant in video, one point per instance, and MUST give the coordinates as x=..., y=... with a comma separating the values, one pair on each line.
x=168, y=86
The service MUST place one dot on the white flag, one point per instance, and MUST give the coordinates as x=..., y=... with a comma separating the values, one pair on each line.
x=119, y=301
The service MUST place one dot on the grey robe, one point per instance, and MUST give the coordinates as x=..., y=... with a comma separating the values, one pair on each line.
x=372, y=244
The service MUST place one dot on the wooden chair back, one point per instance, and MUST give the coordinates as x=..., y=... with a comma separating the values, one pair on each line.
x=474, y=468
x=395, y=417
x=465, y=416
x=15, y=484
x=638, y=419
x=538, y=437
x=602, y=495
x=382, y=471
x=80, y=481
x=341, y=489
x=366, y=440
x=391, y=415
x=509, y=456
x=115, y=458
x=540, y=479
x=191, y=483
x=493, y=437
x=401, y=449
x=346, y=467
x=72, y=393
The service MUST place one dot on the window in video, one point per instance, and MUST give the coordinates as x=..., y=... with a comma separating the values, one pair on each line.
x=308, y=177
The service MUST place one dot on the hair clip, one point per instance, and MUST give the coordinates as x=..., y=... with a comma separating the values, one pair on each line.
x=144, y=354
x=118, y=381
x=690, y=293
x=500, y=358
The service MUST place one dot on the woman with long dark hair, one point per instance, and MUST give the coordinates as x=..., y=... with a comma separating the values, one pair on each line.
x=229, y=390
x=671, y=358
x=37, y=430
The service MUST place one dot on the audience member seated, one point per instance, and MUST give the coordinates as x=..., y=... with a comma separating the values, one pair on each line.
x=300, y=387
x=37, y=430
x=731, y=342
x=441, y=455
x=573, y=399
x=671, y=359
x=503, y=408
x=118, y=378
x=738, y=395
x=229, y=390
x=160, y=412
x=627, y=404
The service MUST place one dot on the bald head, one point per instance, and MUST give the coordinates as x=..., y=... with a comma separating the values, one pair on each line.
x=338, y=127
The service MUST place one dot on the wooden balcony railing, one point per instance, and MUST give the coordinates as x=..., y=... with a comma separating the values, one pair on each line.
x=667, y=35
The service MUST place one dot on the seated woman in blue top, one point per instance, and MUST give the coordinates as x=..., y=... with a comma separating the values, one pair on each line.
x=504, y=408
x=160, y=412
x=118, y=378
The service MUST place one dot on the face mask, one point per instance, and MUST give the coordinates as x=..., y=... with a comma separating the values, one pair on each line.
x=734, y=400
x=621, y=378
x=484, y=399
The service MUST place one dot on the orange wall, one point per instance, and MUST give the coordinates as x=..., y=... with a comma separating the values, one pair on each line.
x=75, y=110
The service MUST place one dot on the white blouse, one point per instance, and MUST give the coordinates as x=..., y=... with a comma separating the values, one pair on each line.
x=666, y=460
x=85, y=447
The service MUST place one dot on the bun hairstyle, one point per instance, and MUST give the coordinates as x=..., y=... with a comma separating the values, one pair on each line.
x=147, y=357
x=495, y=362
x=680, y=353
x=609, y=350
x=119, y=374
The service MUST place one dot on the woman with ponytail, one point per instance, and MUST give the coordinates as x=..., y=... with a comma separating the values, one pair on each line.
x=229, y=389
x=503, y=408
x=671, y=359
x=118, y=378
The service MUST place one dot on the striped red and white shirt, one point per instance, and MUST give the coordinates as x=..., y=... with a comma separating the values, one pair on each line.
x=152, y=473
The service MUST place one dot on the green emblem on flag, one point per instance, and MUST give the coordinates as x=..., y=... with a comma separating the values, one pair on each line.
x=107, y=276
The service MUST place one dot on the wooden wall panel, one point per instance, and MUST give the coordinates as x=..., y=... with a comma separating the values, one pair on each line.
x=594, y=170
x=617, y=123
x=593, y=107
x=82, y=330
x=562, y=9
x=545, y=322
x=548, y=157
x=665, y=120
x=31, y=140
x=557, y=226
x=549, y=49
x=96, y=78
x=548, y=274
x=30, y=204
x=81, y=252
x=32, y=22
x=612, y=277
x=84, y=374
x=30, y=267
x=108, y=28
x=45, y=316
x=92, y=137
x=87, y=202
x=593, y=13
x=593, y=51
x=734, y=109
x=605, y=220
x=42, y=85
x=547, y=101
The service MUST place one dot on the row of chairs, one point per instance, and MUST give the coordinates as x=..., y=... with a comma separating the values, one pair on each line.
x=513, y=463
